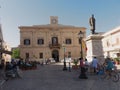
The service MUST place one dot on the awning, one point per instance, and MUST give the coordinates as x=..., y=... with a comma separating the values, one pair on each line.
x=5, y=51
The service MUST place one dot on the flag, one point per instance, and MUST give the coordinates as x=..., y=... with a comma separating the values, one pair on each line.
x=84, y=45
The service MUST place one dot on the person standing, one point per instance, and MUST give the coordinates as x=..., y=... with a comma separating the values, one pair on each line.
x=95, y=64
x=83, y=71
x=86, y=65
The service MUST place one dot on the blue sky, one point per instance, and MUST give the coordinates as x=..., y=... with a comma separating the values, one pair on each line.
x=14, y=13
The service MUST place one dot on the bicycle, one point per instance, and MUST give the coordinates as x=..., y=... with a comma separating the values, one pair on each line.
x=113, y=75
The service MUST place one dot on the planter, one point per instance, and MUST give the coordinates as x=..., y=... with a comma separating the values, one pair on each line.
x=75, y=67
x=117, y=62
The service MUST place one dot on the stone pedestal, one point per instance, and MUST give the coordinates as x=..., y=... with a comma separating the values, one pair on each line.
x=94, y=47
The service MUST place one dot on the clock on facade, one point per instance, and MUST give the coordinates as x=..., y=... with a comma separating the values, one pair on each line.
x=54, y=21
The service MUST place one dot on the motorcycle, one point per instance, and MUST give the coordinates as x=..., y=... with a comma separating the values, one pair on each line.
x=12, y=74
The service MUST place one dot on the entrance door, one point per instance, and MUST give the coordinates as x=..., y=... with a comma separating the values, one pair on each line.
x=55, y=55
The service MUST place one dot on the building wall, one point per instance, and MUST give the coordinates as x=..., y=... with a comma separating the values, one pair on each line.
x=46, y=32
x=6, y=56
x=111, y=43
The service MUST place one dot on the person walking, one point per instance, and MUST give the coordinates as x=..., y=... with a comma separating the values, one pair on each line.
x=86, y=65
x=95, y=64
x=83, y=71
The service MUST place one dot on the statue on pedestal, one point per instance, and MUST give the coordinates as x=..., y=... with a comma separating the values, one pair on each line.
x=92, y=24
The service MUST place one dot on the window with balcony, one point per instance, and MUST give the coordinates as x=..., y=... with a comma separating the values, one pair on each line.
x=54, y=40
x=40, y=41
x=68, y=41
x=26, y=41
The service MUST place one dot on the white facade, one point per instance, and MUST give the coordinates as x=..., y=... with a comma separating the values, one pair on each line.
x=6, y=47
x=111, y=43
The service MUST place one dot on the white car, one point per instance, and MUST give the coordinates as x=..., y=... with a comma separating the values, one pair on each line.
x=66, y=60
x=51, y=59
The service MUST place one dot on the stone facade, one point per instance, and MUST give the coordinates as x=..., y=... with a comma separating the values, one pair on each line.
x=40, y=42
x=95, y=48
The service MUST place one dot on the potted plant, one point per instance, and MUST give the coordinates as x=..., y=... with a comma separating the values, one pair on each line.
x=117, y=60
x=75, y=62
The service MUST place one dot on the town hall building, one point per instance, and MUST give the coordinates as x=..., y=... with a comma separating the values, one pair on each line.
x=54, y=40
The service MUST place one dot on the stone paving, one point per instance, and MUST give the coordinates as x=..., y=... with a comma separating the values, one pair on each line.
x=52, y=77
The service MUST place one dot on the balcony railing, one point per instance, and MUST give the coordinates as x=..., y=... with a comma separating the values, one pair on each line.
x=57, y=45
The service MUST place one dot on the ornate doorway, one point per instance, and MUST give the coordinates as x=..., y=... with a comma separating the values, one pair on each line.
x=55, y=55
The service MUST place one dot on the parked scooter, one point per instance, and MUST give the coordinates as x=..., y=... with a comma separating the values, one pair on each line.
x=10, y=74
x=11, y=71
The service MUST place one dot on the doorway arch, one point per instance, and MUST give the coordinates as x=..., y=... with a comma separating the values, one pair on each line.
x=55, y=55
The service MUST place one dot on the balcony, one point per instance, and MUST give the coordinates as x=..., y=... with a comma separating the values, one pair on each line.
x=57, y=45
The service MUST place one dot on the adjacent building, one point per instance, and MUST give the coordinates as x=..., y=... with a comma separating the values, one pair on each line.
x=54, y=40
x=5, y=49
x=111, y=43
x=6, y=55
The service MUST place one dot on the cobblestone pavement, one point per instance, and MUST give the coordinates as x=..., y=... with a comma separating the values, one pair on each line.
x=52, y=77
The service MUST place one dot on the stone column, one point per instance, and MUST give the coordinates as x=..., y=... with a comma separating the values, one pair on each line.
x=94, y=47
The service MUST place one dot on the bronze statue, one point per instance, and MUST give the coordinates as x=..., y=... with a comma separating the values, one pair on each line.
x=92, y=24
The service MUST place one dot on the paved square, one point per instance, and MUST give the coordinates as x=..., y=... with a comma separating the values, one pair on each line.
x=52, y=77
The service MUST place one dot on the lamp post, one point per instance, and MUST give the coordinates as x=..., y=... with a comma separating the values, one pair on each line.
x=80, y=34
x=64, y=68
x=82, y=73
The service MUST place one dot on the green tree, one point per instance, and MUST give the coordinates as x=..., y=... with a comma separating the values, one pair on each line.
x=16, y=53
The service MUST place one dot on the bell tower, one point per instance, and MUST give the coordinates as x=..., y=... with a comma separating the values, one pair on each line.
x=53, y=19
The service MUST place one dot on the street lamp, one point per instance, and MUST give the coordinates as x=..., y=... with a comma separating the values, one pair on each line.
x=64, y=68
x=80, y=35
x=83, y=71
